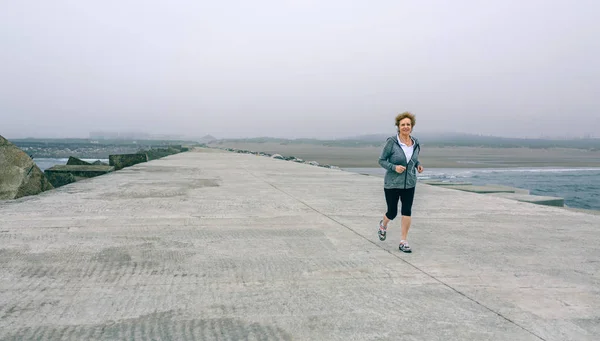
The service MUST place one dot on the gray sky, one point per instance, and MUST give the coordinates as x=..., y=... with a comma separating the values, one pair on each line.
x=299, y=68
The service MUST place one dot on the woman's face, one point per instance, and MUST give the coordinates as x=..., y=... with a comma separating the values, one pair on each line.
x=405, y=126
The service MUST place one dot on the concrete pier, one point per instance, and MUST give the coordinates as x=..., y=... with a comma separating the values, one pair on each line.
x=533, y=199
x=209, y=245
x=487, y=189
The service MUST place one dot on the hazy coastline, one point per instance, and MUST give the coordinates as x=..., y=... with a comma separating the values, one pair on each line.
x=434, y=157
x=563, y=172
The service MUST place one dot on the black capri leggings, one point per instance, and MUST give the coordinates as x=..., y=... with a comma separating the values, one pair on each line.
x=392, y=195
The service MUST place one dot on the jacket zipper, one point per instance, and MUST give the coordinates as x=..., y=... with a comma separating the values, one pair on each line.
x=411, y=158
x=407, y=162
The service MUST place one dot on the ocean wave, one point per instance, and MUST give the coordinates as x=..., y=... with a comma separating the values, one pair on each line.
x=483, y=173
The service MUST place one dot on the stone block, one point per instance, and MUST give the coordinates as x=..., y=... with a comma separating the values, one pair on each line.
x=60, y=179
x=157, y=153
x=485, y=189
x=533, y=199
x=120, y=161
x=80, y=171
x=76, y=161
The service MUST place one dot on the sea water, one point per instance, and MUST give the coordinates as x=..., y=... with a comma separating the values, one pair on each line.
x=580, y=187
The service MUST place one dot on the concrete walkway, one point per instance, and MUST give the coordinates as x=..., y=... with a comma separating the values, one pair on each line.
x=208, y=245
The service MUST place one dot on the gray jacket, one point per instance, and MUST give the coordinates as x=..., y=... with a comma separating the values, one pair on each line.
x=393, y=155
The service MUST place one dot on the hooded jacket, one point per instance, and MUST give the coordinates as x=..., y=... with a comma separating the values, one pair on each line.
x=393, y=155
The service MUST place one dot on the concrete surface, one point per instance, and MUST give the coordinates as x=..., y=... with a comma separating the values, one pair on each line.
x=225, y=246
x=485, y=189
x=533, y=199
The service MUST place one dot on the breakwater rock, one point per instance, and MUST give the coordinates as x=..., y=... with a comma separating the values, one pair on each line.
x=121, y=161
x=19, y=175
x=280, y=157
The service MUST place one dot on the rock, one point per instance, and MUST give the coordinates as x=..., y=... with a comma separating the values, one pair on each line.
x=314, y=163
x=277, y=156
x=121, y=161
x=19, y=175
x=80, y=171
x=157, y=153
x=99, y=163
x=60, y=179
x=178, y=147
x=76, y=161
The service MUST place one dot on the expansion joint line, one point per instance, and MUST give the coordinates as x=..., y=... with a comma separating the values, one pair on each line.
x=402, y=259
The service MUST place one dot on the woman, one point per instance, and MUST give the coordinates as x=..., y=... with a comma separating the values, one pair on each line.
x=400, y=157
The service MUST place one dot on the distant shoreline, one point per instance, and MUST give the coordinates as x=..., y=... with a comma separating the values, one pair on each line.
x=433, y=157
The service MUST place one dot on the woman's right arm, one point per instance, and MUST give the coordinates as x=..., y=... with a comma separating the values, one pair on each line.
x=385, y=156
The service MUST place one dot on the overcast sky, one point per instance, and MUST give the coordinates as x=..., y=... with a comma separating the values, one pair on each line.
x=299, y=68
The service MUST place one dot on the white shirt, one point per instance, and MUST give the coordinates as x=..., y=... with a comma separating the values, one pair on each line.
x=408, y=151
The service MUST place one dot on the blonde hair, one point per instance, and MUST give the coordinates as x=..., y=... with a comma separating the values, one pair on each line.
x=404, y=115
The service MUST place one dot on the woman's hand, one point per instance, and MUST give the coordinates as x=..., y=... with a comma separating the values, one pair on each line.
x=400, y=169
x=420, y=169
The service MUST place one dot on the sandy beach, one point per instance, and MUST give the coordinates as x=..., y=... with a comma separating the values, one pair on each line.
x=434, y=157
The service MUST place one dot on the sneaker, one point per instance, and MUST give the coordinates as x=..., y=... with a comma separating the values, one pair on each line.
x=404, y=247
x=382, y=231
